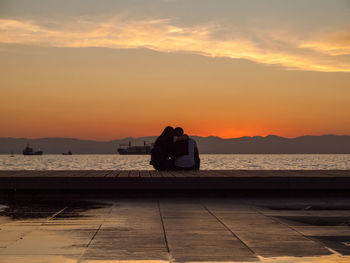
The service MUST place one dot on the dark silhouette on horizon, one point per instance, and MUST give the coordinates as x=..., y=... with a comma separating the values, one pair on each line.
x=29, y=151
x=324, y=144
x=128, y=149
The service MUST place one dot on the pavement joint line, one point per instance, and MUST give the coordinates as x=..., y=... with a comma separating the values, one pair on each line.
x=227, y=228
x=98, y=229
x=307, y=237
x=56, y=214
x=164, y=232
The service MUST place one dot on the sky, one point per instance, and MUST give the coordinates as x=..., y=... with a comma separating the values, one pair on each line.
x=106, y=69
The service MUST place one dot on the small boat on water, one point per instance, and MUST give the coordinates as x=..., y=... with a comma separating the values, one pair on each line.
x=29, y=151
x=134, y=150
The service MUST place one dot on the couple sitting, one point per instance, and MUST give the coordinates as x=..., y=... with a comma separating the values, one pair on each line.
x=174, y=150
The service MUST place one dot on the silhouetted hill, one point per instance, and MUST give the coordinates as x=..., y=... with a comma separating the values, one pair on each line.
x=275, y=144
x=270, y=145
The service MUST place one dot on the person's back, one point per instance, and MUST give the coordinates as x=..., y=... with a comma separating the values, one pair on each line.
x=161, y=150
x=190, y=160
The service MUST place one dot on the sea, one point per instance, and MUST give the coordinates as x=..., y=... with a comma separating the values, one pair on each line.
x=208, y=162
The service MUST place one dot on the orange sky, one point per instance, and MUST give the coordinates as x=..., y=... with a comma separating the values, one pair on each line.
x=112, y=76
x=104, y=94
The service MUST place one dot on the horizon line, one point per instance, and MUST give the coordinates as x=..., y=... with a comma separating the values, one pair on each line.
x=118, y=139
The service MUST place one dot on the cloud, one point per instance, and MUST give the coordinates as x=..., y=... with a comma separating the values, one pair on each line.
x=278, y=47
x=334, y=43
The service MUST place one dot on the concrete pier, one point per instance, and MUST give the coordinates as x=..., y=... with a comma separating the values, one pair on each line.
x=90, y=224
x=176, y=180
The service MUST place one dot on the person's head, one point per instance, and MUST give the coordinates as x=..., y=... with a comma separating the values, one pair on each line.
x=178, y=131
x=168, y=131
x=166, y=135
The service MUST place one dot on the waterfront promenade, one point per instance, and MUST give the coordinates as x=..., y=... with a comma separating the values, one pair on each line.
x=93, y=229
x=92, y=222
x=176, y=180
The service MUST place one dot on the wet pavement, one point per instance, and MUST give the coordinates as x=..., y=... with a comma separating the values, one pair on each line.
x=193, y=229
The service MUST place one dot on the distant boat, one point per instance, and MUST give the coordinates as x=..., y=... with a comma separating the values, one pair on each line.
x=130, y=150
x=12, y=155
x=67, y=153
x=29, y=151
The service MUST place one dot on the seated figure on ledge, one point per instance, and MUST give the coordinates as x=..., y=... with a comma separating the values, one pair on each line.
x=174, y=150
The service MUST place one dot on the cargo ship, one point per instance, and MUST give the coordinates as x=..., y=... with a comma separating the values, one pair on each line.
x=29, y=151
x=128, y=149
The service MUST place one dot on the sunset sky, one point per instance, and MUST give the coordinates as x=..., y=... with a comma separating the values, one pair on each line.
x=107, y=69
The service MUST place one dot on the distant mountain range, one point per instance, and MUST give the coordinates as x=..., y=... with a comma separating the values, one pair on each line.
x=245, y=145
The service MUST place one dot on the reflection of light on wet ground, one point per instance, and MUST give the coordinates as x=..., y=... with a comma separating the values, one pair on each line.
x=125, y=261
x=64, y=259
x=322, y=259
x=36, y=259
x=3, y=207
x=206, y=230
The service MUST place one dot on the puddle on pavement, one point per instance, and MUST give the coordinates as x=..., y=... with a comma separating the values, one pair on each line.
x=321, y=259
x=318, y=220
x=335, y=242
x=3, y=207
x=124, y=261
x=340, y=244
x=37, y=259
x=25, y=231
x=310, y=207
x=36, y=210
x=67, y=259
x=75, y=242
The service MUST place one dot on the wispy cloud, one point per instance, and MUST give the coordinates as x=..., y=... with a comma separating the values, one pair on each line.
x=334, y=43
x=279, y=47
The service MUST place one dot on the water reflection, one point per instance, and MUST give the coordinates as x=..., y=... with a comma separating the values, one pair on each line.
x=68, y=259
x=124, y=261
x=37, y=259
x=36, y=209
x=322, y=259
x=208, y=162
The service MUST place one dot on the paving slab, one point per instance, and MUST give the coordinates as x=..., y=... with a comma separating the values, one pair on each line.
x=130, y=231
x=193, y=234
x=57, y=242
x=323, y=230
x=187, y=229
x=43, y=258
x=265, y=235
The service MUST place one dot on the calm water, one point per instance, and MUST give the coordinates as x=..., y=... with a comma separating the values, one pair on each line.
x=208, y=162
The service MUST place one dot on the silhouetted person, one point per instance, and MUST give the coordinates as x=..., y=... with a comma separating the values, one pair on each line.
x=180, y=145
x=162, y=150
x=185, y=151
